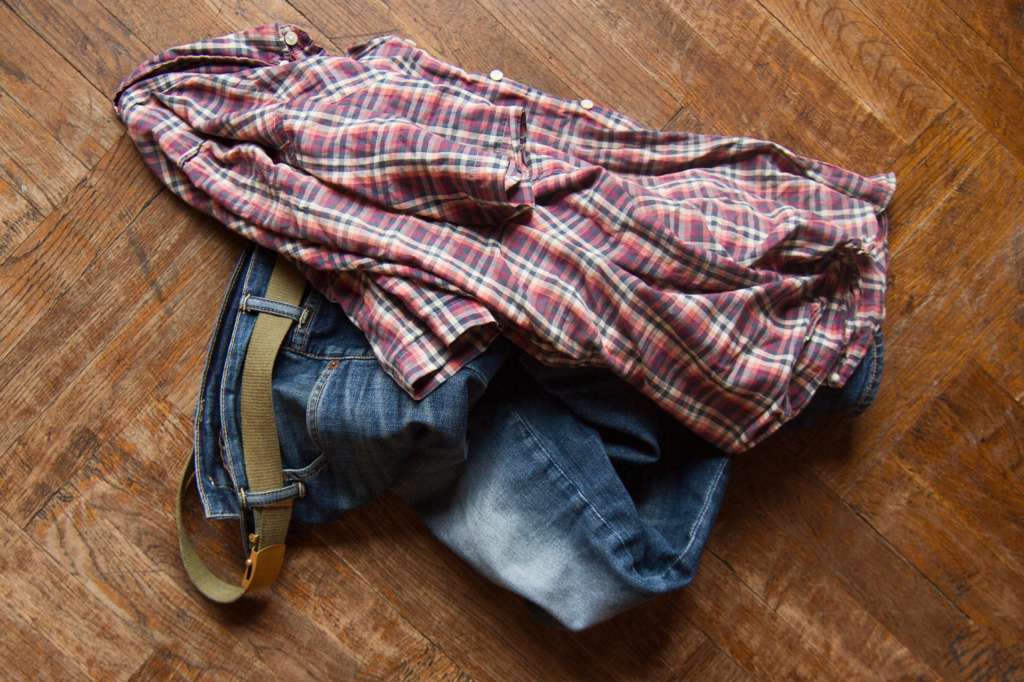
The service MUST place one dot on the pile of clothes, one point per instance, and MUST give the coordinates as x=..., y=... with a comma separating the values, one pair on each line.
x=543, y=325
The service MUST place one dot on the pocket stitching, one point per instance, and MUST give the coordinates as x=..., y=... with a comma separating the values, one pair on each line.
x=313, y=404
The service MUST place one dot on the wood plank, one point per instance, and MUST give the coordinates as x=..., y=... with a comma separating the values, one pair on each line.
x=343, y=23
x=60, y=248
x=33, y=161
x=931, y=168
x=27, y=656
x=934, y=37
x=103, y=305
x=91, y=527
x=88, y=36
x=164, y=665
x=1000, y=23
x=874, y=69
x=81, y=119
x=709, y=663
x=243, y=14
x=967, y=447
x=813, y=558
x=1003, y=359
x=763, y=539
x=748, y=629
x=36, y=589
x=981, y=578
x=488, y=45
x=17, y=217
x=175, y=299
x=734, y=71
x=361, y=623
x=577, y=48
x=434, y=665
x=163, y=24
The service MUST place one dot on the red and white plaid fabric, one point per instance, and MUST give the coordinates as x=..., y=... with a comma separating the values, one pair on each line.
x=726, y=277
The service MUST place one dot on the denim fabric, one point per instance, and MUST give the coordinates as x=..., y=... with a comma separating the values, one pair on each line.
x=564, y=485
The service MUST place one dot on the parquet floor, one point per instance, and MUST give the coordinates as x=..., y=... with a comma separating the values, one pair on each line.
x=890, y=547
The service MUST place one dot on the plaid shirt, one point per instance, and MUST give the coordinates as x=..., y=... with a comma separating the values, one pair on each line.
x=726, y=277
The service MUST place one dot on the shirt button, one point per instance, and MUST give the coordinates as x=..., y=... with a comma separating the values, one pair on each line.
x=497, y=75
x=834, y=378
x=586, y=104
x=291, y=38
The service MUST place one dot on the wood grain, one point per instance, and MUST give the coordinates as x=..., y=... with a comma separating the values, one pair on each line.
x=81, y=119
x=81, y=322
x=886, y=547
x=87, y=35
x=56, y=251
x=1000, y=23
x=748, y=75
x=581, y=52
x=17, y=217
x=60, y=612
x=865, y=60
x=956, y=59
x=32, y=160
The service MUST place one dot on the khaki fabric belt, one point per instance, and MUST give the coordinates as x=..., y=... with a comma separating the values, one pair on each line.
x=261, y=453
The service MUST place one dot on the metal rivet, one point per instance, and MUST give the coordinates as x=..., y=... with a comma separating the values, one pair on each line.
x=497, y=75
x=291, y=38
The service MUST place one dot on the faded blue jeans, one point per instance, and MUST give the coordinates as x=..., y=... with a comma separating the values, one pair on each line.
x=564, y=485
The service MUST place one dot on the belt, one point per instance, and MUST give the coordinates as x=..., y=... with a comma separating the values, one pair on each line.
x=269, y=500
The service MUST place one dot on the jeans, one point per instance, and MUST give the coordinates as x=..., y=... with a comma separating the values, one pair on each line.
x=564, y=485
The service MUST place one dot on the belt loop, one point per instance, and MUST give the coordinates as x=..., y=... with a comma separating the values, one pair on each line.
x=275, y=497
x=261, y=451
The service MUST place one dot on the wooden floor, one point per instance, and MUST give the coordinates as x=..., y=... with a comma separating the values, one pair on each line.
x=891, y=547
